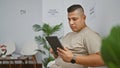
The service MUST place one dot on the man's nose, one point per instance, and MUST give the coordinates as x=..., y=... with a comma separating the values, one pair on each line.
x=71, y=22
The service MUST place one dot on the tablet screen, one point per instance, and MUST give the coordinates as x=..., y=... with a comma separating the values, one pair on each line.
x=54, y=43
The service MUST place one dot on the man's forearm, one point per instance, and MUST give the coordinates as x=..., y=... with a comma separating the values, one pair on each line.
x=92, y=60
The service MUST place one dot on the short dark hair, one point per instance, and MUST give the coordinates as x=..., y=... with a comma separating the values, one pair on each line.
x=74, y=7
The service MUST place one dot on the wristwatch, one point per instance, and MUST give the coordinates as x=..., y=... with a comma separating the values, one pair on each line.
x=73, y=60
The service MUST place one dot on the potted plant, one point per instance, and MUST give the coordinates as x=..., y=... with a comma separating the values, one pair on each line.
x=110, y=49
x=3, y=50
x=46, y=30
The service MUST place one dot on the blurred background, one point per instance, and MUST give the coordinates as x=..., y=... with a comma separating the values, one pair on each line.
x=18, y=16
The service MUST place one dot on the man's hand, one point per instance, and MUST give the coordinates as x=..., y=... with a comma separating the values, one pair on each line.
x=65, y=54
x=51, y=51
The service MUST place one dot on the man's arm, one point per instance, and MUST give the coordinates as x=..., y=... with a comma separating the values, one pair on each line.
x=89, y=60
x=92, y=60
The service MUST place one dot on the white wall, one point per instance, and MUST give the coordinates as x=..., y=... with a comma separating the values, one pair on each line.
x=108, y=15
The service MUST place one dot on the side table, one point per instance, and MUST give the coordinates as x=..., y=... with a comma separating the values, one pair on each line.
x=13, y=59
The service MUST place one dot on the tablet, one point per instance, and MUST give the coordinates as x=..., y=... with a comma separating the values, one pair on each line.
x=54, y=43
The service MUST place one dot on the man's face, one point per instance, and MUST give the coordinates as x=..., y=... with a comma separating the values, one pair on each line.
x=76, y=20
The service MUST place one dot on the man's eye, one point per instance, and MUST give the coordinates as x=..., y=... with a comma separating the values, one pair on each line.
x=74, y=19
x=68, y=19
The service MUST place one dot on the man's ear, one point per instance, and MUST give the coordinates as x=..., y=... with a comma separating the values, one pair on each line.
x=84, y=17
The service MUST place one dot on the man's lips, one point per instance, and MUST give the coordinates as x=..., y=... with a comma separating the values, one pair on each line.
x=73, y=27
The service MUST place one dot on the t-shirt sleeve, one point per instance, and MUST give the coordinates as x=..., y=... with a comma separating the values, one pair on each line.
x=92, y=42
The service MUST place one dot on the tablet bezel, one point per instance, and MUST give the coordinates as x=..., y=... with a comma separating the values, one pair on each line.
x=54, y=43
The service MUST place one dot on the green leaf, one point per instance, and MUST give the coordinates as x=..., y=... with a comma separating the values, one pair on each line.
x=41, y=51
x=47, y=47
x=39, y=40
x=110, y=49
x=56, y=28
x=37, y=28
x=47, y=29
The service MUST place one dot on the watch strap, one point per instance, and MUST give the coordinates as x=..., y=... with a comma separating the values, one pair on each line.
x=73, y=60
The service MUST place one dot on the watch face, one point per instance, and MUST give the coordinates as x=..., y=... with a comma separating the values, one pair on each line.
x=73, y=61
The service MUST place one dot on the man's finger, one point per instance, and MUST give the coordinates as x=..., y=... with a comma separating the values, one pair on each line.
x=65, y=48
x=60, y=50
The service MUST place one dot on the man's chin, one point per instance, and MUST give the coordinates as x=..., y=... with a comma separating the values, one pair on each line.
x=74, y=30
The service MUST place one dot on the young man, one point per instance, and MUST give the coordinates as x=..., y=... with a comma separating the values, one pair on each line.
x=82, y=46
